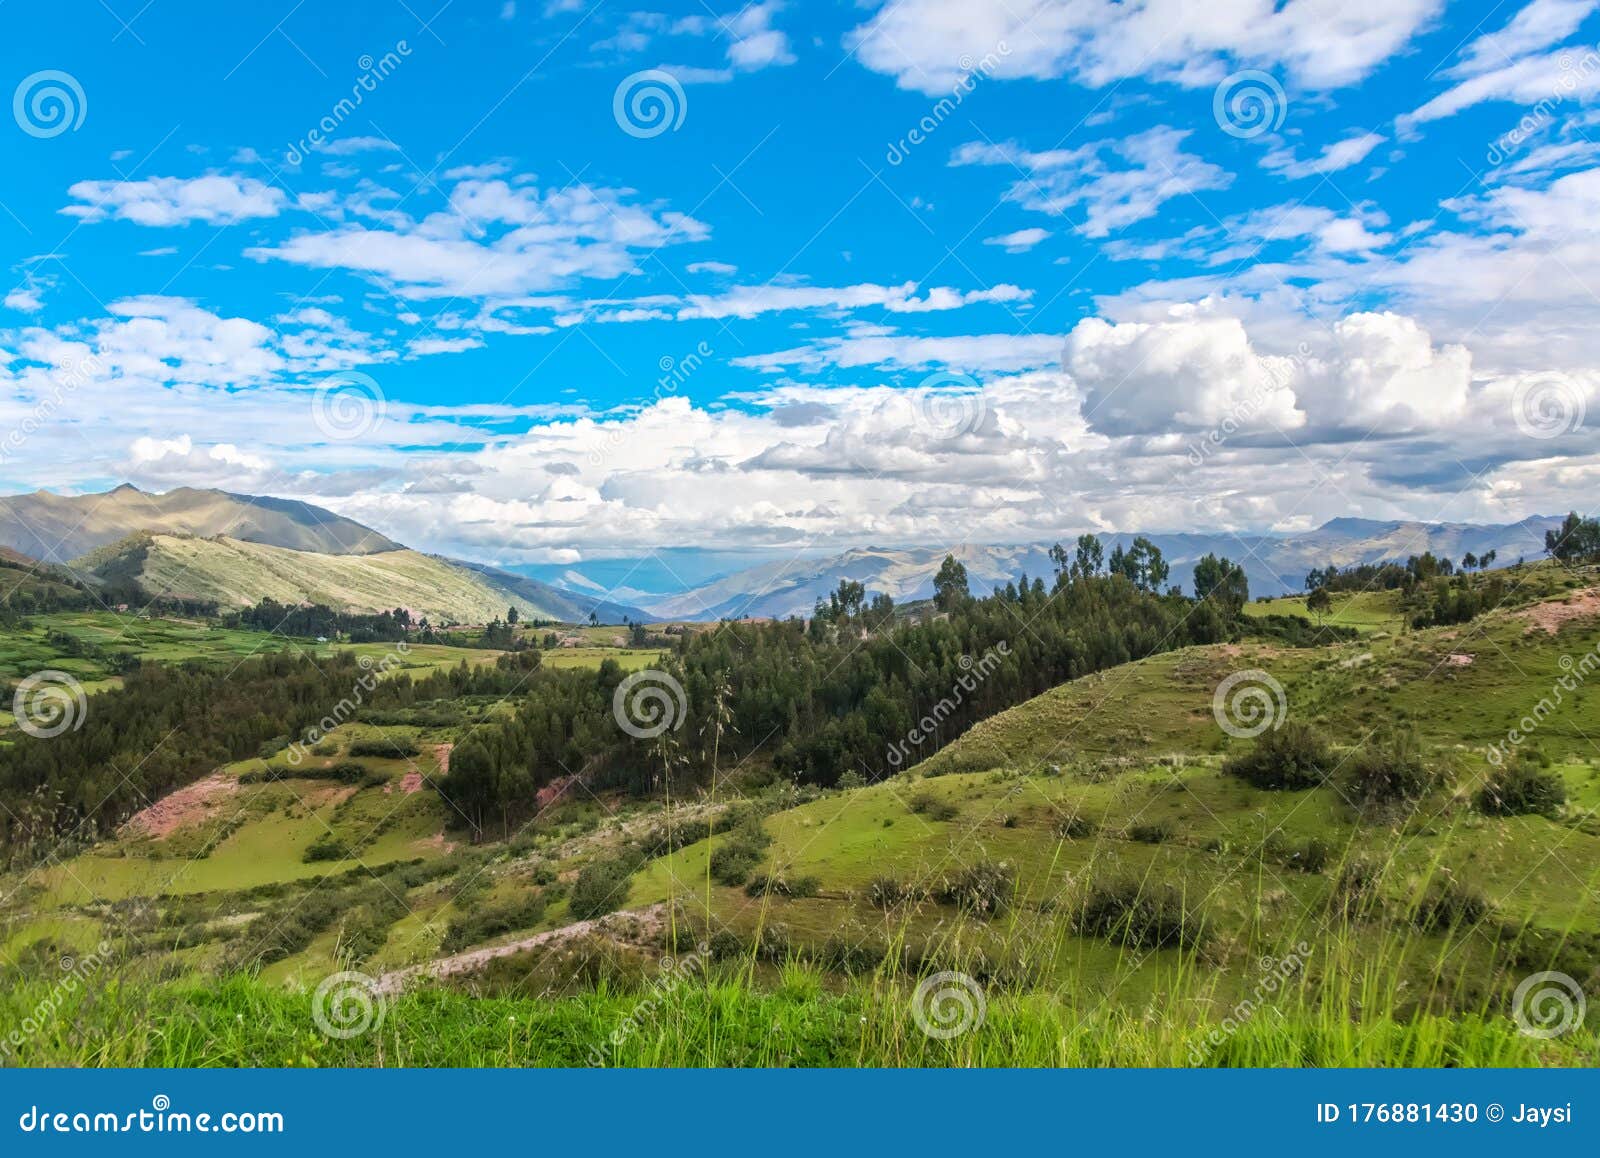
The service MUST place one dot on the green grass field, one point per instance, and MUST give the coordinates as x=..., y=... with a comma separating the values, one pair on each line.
x=1365, y=611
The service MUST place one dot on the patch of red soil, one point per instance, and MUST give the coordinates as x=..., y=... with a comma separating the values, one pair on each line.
x=187, y=806
x=441, y=753
x=1459, y=659
x=1551, y=616
x=410, y=782
x=551, y=792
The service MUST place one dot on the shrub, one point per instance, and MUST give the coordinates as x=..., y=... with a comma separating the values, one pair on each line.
x=983, y=889
x=738, y=853
x=1293, y=756
x=1156, y=832
x=385, y=747
x=492, y=920
x=1075, y=827
x=933, y=807
x=732, y=864
x=1355, y=889
x=1388, y=769
x=1310, y=856
x=327, y=848
x=886, y=892
x=1144, y=917
x=1521, y=788
x=761, y=886
x=601, y=887
x=1447, y=905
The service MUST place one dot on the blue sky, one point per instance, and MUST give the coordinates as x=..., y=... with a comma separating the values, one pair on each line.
x=933, y=271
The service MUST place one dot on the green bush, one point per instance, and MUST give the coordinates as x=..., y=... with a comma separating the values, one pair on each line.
x=983, y=889
x=732, y=864
x=761, y=886
x=933, y=807
x=385, y=747
x=1521, y=788
x=738, y=853
x=327, y=848
x=1291, y=757
x=1075, y=827
x=1447, y=904
x=601, y=887
x=493, y=920
x=1388, y=769
x=1155, y=832
x=1310, y=856
x=1141, y=916
x=887, y=892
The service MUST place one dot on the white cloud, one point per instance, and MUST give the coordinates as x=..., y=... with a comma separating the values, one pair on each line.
x=498, y=239
x=921, y=43
x=967, y=354
x=1339, y=155
x=217, y=199
x=753, y=43
x=1019, y=241
x=1153, y=170
x=1537, y=26
x=347, y=146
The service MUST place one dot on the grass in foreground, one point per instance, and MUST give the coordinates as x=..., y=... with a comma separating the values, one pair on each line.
x=725, y=1021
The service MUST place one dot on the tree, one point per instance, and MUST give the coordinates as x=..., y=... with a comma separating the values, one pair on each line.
x=1090, y=556
x=950, y=585
x=1062, y=563
x=511, y=616
x=1142, y=564
x=1486, y=560
x=1469, y=562
x=1319, y=603
x=1223, y=582
x=1577, y=540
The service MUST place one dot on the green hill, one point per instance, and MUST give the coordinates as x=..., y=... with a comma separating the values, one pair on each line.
x=238, y=574
x=1087, y=860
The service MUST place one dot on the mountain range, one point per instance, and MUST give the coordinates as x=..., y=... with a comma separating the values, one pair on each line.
x=1274, y=564
x=237, y=549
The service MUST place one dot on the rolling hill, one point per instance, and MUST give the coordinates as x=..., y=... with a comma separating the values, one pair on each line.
x=60, y=528
x=238, y=549
x=234, y=573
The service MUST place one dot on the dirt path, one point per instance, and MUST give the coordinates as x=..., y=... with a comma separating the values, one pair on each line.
x=631, y=925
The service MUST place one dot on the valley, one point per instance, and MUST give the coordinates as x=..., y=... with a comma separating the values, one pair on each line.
x=1115, y=859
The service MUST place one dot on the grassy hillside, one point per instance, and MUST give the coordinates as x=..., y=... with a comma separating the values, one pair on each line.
x=1085, y=860
x=59, y=528
x=239, y=574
